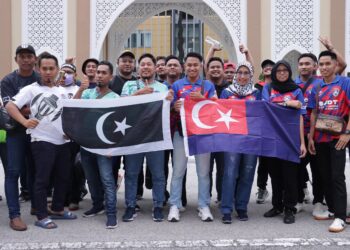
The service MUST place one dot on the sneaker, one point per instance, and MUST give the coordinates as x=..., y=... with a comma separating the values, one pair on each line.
x=272, y=212
x=158, y=214
x=337, y=226
x=205, y=214
x=226, y=219
x=174, y=214
x=129, y=214
x=111, y=222
x=289, y=217
x=307, y=197
x=324, y=215
x=299, y=207
x=93, y=212
x=242, y=215
x=137, y=208
x=73, y=206
x=318, y=209
x=261, y=196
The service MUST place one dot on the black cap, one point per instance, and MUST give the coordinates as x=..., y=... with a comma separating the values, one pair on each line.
x=127, y=53
x=87, y=61
x=25, y=48
x=267, y=62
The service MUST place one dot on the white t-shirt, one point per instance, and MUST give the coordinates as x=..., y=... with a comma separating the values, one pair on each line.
x=70, y=91
x=43, y=102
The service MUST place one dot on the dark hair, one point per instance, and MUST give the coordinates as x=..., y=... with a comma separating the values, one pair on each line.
x=147, y=55
x=47, y=56
x=170, y=57
x=160, y=58
x=195, y=55
x=310, y=55
x=328, y=53
x=107, y=63
x=216, y=59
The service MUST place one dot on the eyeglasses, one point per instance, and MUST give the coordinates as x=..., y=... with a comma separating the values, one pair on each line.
x=282, y=71
x=243, y=73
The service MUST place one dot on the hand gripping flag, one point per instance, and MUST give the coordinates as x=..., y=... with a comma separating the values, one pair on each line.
x=120, y=126
x=258, y=128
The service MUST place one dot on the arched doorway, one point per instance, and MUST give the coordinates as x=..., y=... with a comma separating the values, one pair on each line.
x=228, y=18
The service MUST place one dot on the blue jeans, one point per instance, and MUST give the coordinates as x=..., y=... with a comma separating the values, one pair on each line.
x=133, y=165
x=237, y=182
x=18, y=158
x=98, y=171
x=179, y=169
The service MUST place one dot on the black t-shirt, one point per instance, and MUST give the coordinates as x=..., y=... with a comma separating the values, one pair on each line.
x=11, y=85
x=220, y=88
x=118, y=82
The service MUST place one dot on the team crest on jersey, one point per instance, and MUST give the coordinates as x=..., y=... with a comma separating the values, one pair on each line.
x=336, y=92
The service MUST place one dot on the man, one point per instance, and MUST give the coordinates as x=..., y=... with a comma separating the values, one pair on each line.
x=50, y=150
x=229, y=71
x=331, y=97
x=125, y=66
x=262, y=171
x=89, y=68
x=99, y=168
x=215, y=73
x=191, y=86
x=18, y=142
x=307, y=66
x=155, y=160
x=161, y=69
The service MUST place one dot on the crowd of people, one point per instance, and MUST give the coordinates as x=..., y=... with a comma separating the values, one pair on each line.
x=53, y=170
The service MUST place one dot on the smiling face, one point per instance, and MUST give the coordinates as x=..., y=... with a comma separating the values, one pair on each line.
x=126, y=65
x=327, y=66
x=215, y=70
x=147, y=69
x=193, y=67
x=243, y=75
x=173, y=68
x=282, y=73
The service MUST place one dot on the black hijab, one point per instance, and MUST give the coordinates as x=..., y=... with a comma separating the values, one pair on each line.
x=282, y=87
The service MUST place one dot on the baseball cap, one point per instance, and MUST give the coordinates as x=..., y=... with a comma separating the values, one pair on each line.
x=25, y=48
x=267, y=62
x=229, y=64
x=127, y=53
x=87, y=61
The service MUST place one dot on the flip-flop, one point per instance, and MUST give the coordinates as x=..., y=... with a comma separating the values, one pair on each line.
x=45, y=223
x=65, y=216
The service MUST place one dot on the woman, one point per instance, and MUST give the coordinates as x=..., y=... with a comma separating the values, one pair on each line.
x=239, y=168
x=283, y=91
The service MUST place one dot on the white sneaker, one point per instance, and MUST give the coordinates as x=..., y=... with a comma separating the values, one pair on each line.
x=318, y=209
x=299, y=207
x=205, y=214
x=307, y=198
x=337, y=226
x=324, y=215
x=174, y=214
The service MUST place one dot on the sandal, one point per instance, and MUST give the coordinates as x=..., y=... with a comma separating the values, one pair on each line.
x=65, y=216
x=46, y=223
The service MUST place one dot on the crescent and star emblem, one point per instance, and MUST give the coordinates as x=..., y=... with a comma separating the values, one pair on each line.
x=121, y=127
x=224, y=117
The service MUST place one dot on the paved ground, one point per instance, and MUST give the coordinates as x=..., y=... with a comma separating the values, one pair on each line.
x=189, y=233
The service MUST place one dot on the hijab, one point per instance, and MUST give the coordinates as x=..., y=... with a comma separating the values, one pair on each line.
x=247, y=89
x=286, y=86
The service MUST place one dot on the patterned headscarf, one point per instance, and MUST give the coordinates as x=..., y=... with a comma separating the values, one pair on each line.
x=247, y=89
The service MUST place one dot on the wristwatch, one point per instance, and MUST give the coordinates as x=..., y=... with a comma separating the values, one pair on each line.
x=347, y=132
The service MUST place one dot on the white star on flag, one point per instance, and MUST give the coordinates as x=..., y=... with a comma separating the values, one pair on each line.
x=121, y=126
x=226, y=118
